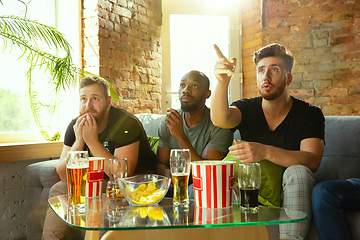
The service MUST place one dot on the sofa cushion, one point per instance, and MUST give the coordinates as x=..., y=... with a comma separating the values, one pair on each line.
x=342, y=136
x=154, y=142
x=341, y=159
x=270, y=190
x=40, y=177
x=150, y=122
x=338, y=167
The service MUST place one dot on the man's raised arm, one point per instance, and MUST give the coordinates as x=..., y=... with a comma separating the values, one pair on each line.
x=221, y=114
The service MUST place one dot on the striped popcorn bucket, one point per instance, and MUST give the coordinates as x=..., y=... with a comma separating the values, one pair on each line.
x=204, y=216
x=213, y=183
x=95, y=177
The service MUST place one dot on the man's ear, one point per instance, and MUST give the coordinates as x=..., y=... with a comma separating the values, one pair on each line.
x=289, y=78
x=109, y=102
x=207, y=94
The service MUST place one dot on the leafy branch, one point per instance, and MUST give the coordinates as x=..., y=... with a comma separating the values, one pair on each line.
x=63, y=73
x=30, y=36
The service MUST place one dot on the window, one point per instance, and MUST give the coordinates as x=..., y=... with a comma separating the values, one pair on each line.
x=189, y=30
x=16, y=120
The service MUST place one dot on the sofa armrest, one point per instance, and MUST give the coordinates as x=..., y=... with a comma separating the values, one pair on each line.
x=40, y=177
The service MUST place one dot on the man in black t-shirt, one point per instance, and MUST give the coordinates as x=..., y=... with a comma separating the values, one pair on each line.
x=123, y=129
x=278, y=130
x=104, y=131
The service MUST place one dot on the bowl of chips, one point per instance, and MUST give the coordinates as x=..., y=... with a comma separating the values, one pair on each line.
x=147, y=189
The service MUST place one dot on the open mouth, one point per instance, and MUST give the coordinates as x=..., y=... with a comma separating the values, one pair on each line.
x=267, y=86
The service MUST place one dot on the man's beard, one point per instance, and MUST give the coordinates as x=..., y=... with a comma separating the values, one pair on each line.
x=278, y=91
x=190, y=107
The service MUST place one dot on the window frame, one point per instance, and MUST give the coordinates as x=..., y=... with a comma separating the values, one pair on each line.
x=191, y=7
x=61, y=12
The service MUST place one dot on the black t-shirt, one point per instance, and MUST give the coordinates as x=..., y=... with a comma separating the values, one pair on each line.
x=122, y=129
x=303, y=121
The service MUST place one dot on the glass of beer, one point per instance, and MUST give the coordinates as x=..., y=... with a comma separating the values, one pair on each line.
x=118, y=168
x=180, y=170
x=77, y=167
x=249, y=180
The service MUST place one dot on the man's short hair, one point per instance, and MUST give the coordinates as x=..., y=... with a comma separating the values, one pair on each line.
x=90, y=80
x=202, y=76
x=275, y=50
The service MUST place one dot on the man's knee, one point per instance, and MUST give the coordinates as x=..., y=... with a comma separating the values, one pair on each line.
x=319, y=190
x=325, y=191
x=317, y=195
x=299, y=174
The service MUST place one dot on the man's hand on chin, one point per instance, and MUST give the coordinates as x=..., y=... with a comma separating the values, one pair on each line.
x=78, y=129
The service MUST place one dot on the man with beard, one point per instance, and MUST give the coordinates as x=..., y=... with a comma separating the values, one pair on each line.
x=103, y=131
x=279, y=131
x=106, y=131
x=190, y=127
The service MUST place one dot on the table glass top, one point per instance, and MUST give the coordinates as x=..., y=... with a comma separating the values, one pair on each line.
x=105, y=214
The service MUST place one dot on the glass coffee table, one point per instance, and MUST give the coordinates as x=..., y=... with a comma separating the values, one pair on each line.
x=164, y=221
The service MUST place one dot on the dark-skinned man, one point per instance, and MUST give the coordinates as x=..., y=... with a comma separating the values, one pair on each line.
x=191, y=127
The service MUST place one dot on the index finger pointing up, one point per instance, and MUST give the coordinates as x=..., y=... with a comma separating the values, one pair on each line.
x=218, y=52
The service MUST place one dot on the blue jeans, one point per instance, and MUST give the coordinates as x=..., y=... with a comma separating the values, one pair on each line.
x=330, y=201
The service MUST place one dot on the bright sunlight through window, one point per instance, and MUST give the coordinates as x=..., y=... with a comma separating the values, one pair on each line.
x=16, y=121
x=191, y=45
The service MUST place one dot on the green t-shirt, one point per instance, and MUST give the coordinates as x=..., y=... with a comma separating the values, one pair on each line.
x=205, y=134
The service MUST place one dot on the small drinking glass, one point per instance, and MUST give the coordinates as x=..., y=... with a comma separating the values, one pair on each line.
x=180, y=170
x=249, y=180
x=118, y=168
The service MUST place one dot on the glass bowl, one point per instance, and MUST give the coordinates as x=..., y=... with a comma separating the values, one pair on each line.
x=145, y=189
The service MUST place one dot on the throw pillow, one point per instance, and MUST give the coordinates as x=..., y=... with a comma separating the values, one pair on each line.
x=154, y=142
x=271, y=178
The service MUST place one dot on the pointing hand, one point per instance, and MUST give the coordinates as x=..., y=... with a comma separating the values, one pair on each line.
x=224, y=68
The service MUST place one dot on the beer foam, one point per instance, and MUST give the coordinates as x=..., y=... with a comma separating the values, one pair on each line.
x=77, y=166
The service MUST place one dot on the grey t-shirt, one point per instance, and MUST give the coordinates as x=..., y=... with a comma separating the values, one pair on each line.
x=205, y=134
